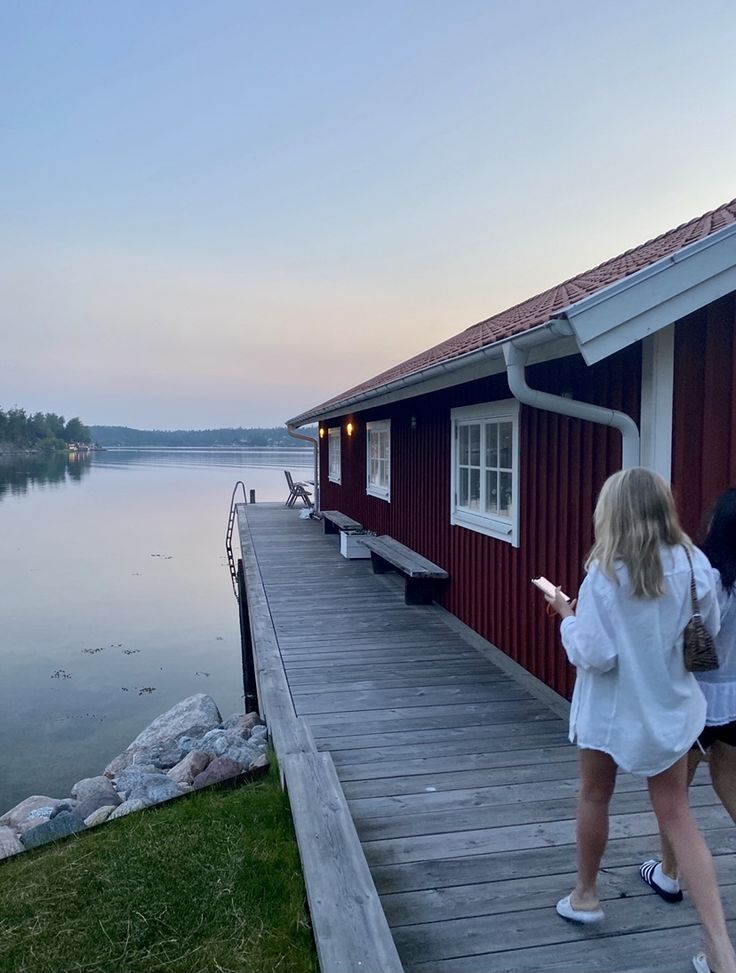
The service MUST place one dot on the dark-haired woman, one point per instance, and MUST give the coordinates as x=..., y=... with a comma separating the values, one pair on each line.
x=717, y=742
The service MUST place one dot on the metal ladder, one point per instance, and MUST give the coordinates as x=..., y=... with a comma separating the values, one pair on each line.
x=229, y=538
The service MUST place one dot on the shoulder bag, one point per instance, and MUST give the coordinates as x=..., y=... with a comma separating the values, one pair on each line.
x=699, y=647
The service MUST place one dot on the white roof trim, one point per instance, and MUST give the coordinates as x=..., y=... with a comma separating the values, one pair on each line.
x=655, y=297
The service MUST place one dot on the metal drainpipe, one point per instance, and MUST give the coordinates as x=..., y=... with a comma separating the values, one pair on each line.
x=515, y=364
x=315, y=444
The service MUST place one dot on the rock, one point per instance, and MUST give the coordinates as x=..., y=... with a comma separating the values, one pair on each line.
x=188, y=768
x=241, y=723
x=261, y=761
x=196, y=711
x=151, y=788
x=215, y=742
x=190, y=740
x=220, y=769
x=9, y=844
x=156, y=757
x=65, y=823
x=99, y=816
x=92, y=793
x=64, y=806
x=29, y=813
x=132, y=777
x=159, y=793
x=259, y=732
x=127, y=807
x=244, y=754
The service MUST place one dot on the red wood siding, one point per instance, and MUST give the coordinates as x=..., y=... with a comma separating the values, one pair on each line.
x=563, y=464
x=704, y=414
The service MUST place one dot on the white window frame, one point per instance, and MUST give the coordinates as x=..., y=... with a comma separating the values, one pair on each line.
x=494, y=525
x=334, y=454
x=372, y=487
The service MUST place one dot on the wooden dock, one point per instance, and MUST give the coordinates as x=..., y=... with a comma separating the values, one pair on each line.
x=457, y=775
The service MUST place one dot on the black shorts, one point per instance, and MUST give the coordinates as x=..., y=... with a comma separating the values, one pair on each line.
x=726, y=733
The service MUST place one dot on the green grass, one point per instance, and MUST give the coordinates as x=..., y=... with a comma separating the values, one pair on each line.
x=209, y=883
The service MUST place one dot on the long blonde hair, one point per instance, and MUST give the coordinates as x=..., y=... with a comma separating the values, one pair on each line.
x=635, y=515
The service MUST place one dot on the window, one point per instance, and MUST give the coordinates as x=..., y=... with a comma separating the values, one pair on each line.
x=378, y=459
x=334, y=467
x=485, y=469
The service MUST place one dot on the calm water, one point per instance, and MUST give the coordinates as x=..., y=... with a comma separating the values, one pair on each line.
x=115, y=600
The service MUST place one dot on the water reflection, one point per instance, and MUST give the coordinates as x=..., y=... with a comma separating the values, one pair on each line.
x=116, y=600
x=18, y=474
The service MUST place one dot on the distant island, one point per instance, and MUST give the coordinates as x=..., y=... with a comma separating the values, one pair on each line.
x=125, y=436
x=22, y=431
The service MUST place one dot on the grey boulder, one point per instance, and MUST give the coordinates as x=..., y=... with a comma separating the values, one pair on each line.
x=99, y=816
x=127, y=807
x=9, y=844
x=199, y=710
x=30, y=813
x=65, y=823
x=92, y=793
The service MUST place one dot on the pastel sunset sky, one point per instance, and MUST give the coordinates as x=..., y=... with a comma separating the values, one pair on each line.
x=221, y=213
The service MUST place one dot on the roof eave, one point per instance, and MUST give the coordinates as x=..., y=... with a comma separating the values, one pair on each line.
x=601, y=324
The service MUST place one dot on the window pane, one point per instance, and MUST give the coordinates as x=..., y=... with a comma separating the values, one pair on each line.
x=491, y=492
x=491, y=444
x=374, y=469
x=474, y=502
x=505, y=435
x=475, y=445
x=505, y=505
x=463, y=488
x=462, y=446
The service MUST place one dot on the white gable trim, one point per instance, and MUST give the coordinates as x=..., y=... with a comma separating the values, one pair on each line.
x=657, y=387
x=655, y=297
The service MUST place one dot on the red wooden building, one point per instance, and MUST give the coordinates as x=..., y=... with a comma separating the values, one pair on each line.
x=486, y=453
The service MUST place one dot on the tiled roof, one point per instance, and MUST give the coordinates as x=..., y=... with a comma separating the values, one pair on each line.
x=536, y=310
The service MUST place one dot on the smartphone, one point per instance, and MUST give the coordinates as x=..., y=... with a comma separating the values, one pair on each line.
x=547, y=588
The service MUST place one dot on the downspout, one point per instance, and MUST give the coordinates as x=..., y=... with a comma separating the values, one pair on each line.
x=515, y=365
x=315, y=445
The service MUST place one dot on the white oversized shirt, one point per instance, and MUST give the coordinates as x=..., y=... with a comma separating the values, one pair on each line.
x=719, y=686
x=633, y=697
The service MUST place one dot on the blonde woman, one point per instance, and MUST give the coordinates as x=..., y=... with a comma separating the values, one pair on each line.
x=635, y=706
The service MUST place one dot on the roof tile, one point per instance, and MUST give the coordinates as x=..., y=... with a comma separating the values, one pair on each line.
x=540, y=308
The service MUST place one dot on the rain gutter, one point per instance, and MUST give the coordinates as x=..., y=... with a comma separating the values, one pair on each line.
x=516, y=360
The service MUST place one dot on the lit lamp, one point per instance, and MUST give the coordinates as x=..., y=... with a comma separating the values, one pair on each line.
x=349, y=429
x=321, y=432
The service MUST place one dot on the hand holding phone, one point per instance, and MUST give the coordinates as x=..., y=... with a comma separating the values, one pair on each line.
x=552, y=595
x=547, y=588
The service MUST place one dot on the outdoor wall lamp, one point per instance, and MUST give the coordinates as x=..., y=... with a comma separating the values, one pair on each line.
x=349, y=429
x=321, y=432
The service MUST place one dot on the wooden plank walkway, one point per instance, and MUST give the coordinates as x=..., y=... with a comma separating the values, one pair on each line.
x=460, y=779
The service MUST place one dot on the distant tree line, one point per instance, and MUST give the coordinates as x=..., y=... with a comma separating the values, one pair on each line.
x=125, y=436
x=40, y=430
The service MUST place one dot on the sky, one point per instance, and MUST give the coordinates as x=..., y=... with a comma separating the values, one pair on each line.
x=223, y=213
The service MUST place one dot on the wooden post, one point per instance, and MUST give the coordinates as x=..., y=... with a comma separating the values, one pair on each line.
x=250, y=689
x=252, y=496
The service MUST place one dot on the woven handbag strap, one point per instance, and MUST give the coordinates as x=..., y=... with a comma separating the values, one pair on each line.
x=693, y=589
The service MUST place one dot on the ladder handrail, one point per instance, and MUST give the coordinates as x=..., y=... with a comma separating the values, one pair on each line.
x=229, y=537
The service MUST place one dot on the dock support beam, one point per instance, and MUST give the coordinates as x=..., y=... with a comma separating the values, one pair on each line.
x=250, y=690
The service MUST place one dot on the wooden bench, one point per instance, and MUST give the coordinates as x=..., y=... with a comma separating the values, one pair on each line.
x=333, y=522
x=421, y=574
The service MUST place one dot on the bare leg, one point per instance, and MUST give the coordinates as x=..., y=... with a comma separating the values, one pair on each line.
x=597, y=781
x=669, y=860
x=668, y=793
x=723, y=774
